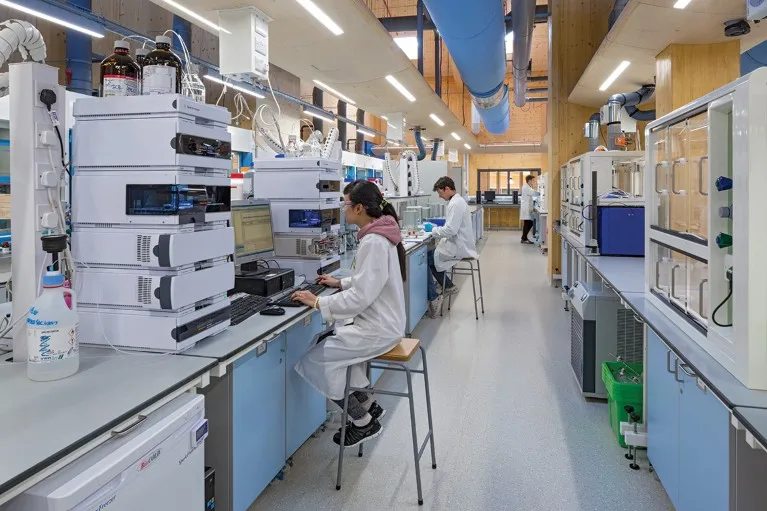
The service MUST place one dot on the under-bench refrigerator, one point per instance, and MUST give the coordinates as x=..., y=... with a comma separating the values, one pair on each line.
x=157, y=465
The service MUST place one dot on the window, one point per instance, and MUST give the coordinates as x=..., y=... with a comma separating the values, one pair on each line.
x=503, y=182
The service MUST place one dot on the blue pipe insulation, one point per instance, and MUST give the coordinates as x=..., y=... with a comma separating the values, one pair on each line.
x=79, y=48
x=419, y=143
x=434, y=149
x=475, y=38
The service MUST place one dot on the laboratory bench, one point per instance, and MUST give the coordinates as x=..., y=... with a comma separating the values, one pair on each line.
x=706, y=431
x=46, y=425
x=500, y=215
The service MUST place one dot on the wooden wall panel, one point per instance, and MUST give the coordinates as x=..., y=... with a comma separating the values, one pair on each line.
x=54, y=36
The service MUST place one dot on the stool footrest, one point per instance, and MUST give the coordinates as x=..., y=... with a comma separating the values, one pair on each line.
x=424, y=444
x=392, y=368
x=380, y=391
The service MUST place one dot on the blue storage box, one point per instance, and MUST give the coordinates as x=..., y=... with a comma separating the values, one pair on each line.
x=440, y=222
x=620, y=231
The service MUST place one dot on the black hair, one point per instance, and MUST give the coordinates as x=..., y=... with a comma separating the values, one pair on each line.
x=529, y=178
x=444, y=182
x=369, y=196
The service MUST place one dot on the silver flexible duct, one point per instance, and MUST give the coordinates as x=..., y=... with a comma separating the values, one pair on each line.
x=24, y=37
x=522, y=23
x=614, y=106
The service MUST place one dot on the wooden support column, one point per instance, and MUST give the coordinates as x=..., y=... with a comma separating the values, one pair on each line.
x=576, y=29
x=686, y=72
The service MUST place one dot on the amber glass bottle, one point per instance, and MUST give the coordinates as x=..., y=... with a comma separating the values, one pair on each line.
x=161, y=73
x=120, y=74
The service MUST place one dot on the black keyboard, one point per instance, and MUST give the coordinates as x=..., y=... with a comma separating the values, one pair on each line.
x=246, y=306
x=314, y=289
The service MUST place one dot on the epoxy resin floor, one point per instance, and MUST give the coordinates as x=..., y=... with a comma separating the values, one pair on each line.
x=512, y=431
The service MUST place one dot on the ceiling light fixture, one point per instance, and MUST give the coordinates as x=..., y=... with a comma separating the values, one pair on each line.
x=401, y=88
x=384, y=118
x=614, y=76
x=437, y=119
x=320, y=16
x=196, y=16
x=681, y=4
x=467, y=146
x=455, y=135
x=365, y=132
x=409, y=45
x=319, y=114
x=50, y=18
x=335, y=92
x=235, y=87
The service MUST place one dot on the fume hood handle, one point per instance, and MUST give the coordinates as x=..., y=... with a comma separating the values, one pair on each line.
x=700, y=299
x=673, y=281
x=700, y=176
x=657, y=166
x=673, y=175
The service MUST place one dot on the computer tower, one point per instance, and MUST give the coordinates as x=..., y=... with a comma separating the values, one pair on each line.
x=601, y=330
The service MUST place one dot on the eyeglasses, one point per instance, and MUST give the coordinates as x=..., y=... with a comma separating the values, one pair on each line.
x=348, y=204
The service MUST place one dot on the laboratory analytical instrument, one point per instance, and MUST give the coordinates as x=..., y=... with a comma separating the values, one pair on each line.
x=601, y=330
x=246, y=305
x=123, y=134
x=312, y=247
x=306, y=216
x=620, y=230
x=705, y=231
x=310, y=268
x=297, y=178
x=157, y=463
x=265, y=282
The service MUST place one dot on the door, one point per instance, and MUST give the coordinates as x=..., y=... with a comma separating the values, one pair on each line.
x=663, y=393
x=704, y=447
x=258, y=423
x=305, y=407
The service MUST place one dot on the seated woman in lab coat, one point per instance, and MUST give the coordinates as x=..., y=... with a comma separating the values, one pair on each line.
x=373, y=298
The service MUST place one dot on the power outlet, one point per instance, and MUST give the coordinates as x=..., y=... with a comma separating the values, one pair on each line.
x=44, y=214
x=42, y=168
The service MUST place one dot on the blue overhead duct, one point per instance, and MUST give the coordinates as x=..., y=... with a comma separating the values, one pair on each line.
x=475, y=37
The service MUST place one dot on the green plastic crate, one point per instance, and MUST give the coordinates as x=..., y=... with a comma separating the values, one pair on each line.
x=621, y=394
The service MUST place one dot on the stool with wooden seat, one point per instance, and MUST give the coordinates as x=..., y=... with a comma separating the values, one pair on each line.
x=395, y=360
x=470, y=270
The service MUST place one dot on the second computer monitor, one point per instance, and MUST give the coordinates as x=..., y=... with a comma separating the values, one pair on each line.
x=253, y=238
x=489, y=195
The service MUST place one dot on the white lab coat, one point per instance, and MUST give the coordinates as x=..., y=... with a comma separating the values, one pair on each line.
x=456, y=237
x=374, y=297
x=526, y=202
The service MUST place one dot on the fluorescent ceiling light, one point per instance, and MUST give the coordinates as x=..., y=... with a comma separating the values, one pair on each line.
x=320, y=16
x=50, y=18
x=615, y=74
x=467, y=146
x=409, y=45
x=365, y=132
x=335, y=92
x=455, y=135
x=196, y=16
x=391, y=125
x=384, y=118
x=681, y=4
x=319, y=115
x=437, y=119
x=233, y=86
x=509, y=43
x=401, y=88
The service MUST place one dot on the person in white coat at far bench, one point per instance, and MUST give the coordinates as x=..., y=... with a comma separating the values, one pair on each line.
x=456, y=241
x=526, y=207
x=373, y=298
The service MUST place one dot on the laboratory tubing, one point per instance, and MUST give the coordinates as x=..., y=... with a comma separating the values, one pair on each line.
x=161, y=73
x=52, y=345
x=120, y=74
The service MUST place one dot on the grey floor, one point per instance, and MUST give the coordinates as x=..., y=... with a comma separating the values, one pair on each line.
x=511, y=429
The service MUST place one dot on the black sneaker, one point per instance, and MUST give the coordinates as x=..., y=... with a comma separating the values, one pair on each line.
x=376, y=411
x=356, y=435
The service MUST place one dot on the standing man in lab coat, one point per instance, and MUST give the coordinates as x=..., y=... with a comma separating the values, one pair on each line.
x=526, y=206
x=455, y=242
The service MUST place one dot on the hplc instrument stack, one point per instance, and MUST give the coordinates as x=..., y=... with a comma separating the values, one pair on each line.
x=305, y=195
x=151, y=214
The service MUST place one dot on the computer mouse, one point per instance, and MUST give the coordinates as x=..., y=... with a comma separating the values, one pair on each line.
x=273, y=311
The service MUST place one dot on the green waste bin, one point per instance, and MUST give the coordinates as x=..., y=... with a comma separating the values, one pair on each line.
x=622, y=391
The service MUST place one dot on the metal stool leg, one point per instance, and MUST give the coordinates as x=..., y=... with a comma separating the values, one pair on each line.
x=344, y=418
x=369, y=372
x=415, y=433
x=428, y=408
x=481, y=293
x=474, y=291
x=442, y=305
x=450, y=297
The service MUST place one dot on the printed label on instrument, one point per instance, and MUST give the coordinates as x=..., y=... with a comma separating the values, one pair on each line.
x=116, y=85
x=159, y=80
x=51, y=344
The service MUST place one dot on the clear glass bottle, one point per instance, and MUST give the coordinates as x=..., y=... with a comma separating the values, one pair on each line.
x=120, y=74
x=161, y=73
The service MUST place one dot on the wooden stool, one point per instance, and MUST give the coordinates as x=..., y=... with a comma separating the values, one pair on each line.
x=395, y=360
x=465, y=271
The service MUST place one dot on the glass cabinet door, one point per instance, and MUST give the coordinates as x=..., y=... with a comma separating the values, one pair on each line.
x=697, y=291
x=697, y=156
x=679, y=290
x=679, y=176
x=660, y=212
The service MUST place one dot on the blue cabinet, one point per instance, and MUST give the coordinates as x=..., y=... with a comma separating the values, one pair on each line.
x=258, y=421
x=305, y=407
x=416, y=297
x=663, y=393
x=688, y=432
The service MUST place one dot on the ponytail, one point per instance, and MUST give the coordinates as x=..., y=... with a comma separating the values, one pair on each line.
x=370, y=197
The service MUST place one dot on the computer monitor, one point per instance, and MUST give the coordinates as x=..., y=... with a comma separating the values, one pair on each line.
x=489, y=195
x=253, y=238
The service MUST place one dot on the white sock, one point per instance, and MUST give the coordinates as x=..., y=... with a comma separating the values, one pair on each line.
x=367, y=404
x=361, y=423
